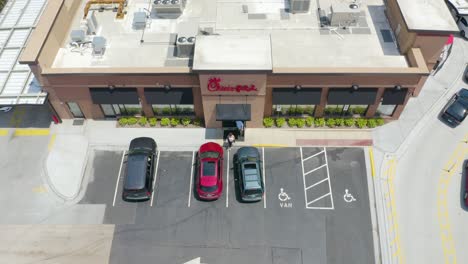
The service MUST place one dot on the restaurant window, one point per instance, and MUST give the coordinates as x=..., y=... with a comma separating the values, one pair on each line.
x=293, y=110
x=115, y=110
x=386, y=110
x=173, y=110
x=345, y=110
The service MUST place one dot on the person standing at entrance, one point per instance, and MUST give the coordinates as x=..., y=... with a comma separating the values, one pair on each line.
x=230, y=139
x=240, y=127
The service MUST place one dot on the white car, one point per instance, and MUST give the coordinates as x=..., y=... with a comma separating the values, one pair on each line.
x=463, y=26
x=459, y=11
x=5, y=108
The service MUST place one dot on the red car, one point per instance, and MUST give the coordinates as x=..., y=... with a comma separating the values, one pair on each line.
x=210, y=171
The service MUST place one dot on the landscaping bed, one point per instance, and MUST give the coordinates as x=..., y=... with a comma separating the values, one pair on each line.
x=159, y=122
x=311, y=122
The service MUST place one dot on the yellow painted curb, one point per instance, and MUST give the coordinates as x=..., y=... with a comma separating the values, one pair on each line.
x=371, y=156
x=270, y=145
x=31, y=132
x=3, y=132
x=51, y=142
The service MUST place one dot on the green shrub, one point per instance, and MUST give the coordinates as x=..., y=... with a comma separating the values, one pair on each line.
x=197, y=122
x=280, y=121
x=291, y=111
x=268, y=122
x=166, y=110
x=379, y=121
x=309, y=110
x=358, y=110
x=186, y=121
x=339, y=122
x=123, y=121
x=309, y=121
x=349, y=122
x=371, y=123
x=175, y=121
x=361, y=122
x=330, y=110
x=300, y=122
x=142, y=121
x=153, y=121
x=330, y=122
x=132, y=121
x=292, y=122
x=187, y=110
x=165, y=121
x=319, y=122
x=299, y=110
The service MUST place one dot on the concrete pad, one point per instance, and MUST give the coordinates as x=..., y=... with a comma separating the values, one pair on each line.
x=65, y=164
x=71, y=244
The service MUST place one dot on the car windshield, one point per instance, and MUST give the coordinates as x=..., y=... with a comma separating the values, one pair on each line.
x=136, y=172
x=209, y=168
x=463, y=93
x=209, y=154
x=209, y=188
x=457, y=110
x=253, y=192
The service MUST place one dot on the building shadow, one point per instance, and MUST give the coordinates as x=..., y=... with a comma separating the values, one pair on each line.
x=462, y=186
x=27, y=116
x=214, y=133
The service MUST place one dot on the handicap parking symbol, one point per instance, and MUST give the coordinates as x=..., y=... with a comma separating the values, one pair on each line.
x=283, y=197
x=349, y=198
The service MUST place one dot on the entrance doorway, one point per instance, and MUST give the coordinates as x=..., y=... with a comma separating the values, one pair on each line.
x=230, y=126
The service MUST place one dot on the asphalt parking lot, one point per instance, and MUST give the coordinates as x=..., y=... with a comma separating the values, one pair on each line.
x=306, y=215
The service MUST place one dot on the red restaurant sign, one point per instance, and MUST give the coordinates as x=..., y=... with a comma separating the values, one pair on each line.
x=214, y=85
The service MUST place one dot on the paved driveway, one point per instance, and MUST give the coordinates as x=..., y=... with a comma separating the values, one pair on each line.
x=303, y=218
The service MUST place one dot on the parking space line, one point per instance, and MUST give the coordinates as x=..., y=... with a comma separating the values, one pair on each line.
x=323, y=196
x=227, y=179
x=191, y=179
x=316, y=154
x=154, y=180
x=316, y=169
x=317, y=183
x=303, y=177
x=118, y=177
x=264, y=183
x=328, y=177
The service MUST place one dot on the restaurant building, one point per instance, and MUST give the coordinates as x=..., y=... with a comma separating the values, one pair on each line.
x=235, y=61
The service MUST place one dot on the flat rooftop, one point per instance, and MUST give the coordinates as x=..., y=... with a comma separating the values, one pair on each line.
x=238, y=35
x=427, y=15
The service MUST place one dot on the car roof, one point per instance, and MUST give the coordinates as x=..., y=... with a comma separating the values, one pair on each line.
x=251, y=176
x=136, y=172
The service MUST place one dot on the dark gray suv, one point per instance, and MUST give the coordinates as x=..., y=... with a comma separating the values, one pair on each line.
x=138, y=183
x=249, y=169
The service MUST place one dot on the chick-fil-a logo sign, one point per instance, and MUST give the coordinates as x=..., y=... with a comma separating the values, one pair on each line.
x=214, y=85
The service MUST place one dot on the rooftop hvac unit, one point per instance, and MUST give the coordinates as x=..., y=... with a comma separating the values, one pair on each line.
x=185, y=46
x=139, y=20
x=78, y=35
x=170, y=7
x=90, y=23
x=299, y=6
x=99, y=45
x=344, y=14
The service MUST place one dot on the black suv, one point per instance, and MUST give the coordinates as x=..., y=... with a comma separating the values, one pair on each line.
x=138, y=184
x=248, y=166
x=456, y=110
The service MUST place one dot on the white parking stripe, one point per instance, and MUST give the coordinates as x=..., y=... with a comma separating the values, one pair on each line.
x=319, y=198
x=316, y=154
x=328, y=176
x=303, y=177
x=191, y=179
x=154, y=180
x=264, y=183
x=118, y=177
x=227, y=180
x=316, y=169
x=317, y=183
